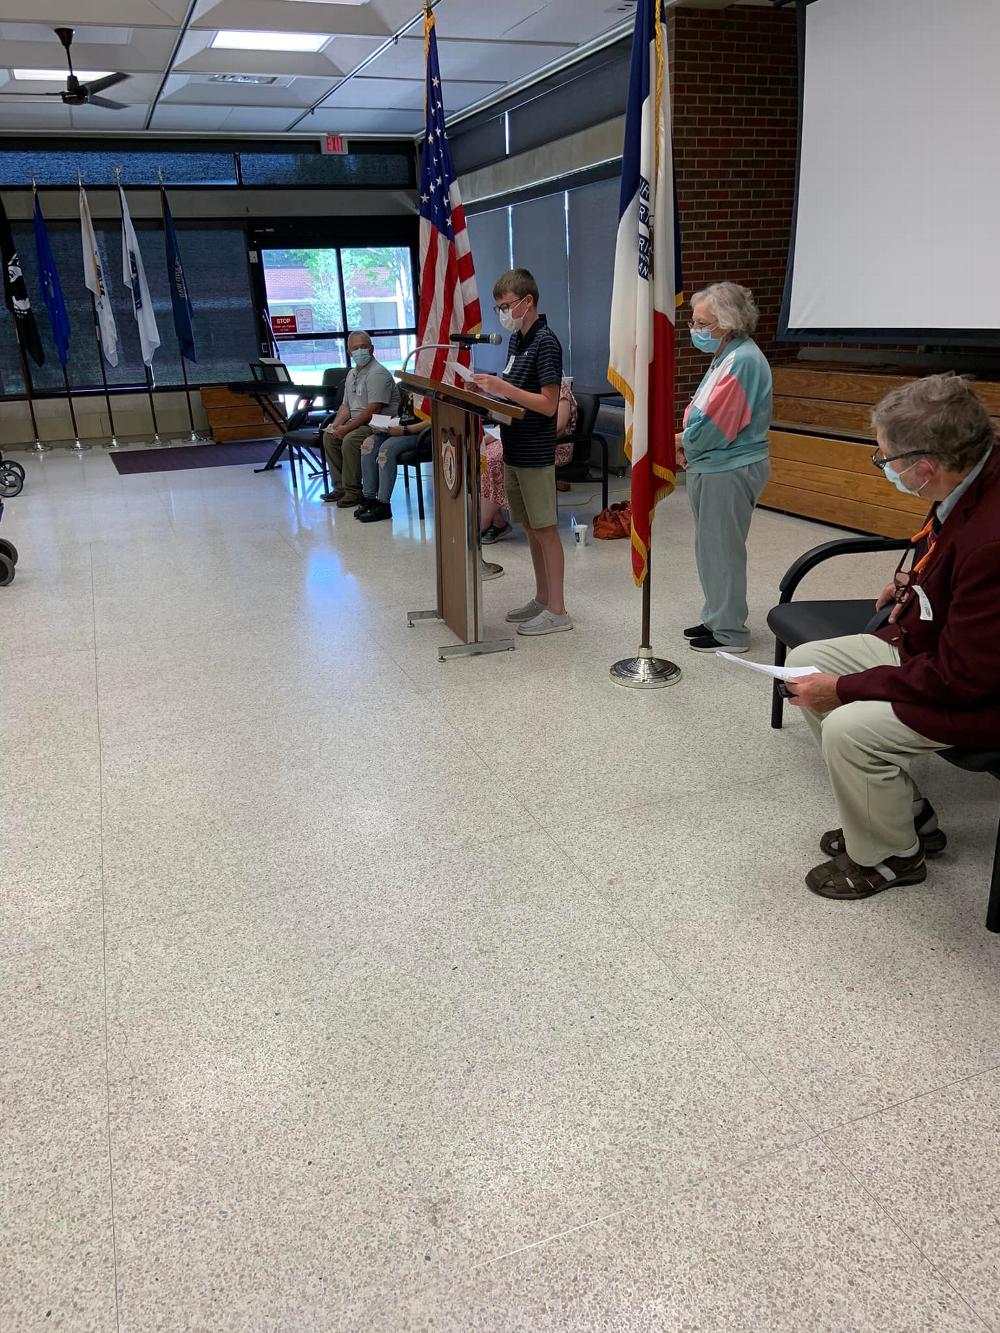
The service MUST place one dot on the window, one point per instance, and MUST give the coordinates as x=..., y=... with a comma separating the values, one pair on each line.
x=383, y=169
x=317, y=295
x=224, y=324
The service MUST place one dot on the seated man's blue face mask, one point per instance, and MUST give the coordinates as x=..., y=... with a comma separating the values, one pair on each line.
x=361, y=356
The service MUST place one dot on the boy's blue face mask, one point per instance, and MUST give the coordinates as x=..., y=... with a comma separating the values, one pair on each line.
x=704, y=341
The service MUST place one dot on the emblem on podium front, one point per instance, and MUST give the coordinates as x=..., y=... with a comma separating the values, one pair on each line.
x=451, y=470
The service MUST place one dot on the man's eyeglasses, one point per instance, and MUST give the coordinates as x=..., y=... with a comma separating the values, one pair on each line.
x=882, y=463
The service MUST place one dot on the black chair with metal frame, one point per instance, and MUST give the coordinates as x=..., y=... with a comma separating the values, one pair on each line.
x=794, y=623
x=305, y=425
x=584, y=438
x=420, y=451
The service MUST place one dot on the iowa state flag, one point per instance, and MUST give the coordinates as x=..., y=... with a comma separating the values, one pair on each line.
x=647, y=281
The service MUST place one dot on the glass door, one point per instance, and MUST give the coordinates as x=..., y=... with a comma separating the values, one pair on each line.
x=317, y=297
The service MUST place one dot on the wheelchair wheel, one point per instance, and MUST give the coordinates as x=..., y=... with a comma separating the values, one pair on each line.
x=11, y=481
x=9, y=550
x=18, y=467
x=6, y=571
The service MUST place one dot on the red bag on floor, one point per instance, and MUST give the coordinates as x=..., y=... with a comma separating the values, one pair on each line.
x=614, y=522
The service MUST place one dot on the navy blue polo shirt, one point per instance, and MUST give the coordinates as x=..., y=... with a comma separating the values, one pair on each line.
x=534, y=360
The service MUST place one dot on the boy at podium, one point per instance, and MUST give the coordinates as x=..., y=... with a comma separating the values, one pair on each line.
x=531, y=378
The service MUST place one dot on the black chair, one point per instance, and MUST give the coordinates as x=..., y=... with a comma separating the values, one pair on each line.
x=304, y=431
x=794, y=623
x=419, y=452
x=584, y=438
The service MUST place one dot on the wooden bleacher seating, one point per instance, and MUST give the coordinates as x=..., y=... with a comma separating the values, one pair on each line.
x=822, y=442
x=235, y=416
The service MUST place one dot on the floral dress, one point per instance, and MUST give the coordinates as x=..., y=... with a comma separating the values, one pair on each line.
x=491, y=474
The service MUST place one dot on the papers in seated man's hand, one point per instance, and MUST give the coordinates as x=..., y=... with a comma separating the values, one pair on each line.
x=775, y=672
x=383, y=423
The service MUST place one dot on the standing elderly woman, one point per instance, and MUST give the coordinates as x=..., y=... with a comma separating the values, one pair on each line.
x=724, y=447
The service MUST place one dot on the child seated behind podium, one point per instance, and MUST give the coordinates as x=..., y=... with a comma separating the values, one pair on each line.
x=531, y=379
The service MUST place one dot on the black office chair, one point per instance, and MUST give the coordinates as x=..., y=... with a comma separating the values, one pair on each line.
x=419, y=452
x=794, y=623
x=584, y=438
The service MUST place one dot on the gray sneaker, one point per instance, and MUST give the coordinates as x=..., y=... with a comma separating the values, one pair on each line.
x=491, y=570
x=545, y=623
x=527, y=612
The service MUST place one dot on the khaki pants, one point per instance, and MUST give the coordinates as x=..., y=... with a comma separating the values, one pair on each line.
x=868, y=752
x=345, y=460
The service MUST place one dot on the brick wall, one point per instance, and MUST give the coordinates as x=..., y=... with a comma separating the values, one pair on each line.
x=735, y=109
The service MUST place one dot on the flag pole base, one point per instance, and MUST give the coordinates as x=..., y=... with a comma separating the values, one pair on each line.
x=113, y=443
x=78, y=447
x=645, y=672
x=38, y=448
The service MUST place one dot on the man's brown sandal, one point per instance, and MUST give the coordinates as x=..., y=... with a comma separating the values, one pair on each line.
x=846, y=881
x=932, y=839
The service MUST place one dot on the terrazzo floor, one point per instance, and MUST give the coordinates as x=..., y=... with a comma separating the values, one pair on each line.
x=344, y=989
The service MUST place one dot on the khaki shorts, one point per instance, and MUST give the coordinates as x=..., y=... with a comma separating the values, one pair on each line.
x=531, y=495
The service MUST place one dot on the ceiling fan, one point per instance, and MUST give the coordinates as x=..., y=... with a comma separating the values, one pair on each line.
x=76, y=93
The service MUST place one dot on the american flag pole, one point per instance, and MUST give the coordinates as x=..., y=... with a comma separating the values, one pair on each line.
x=449, y=301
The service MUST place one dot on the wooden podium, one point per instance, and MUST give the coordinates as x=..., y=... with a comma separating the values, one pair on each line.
x=456, y=423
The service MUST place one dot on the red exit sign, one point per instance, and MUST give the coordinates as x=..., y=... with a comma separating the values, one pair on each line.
x=334, y=143
x=284, y=324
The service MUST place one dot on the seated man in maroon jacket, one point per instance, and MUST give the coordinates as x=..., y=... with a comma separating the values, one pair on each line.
x=929, y=678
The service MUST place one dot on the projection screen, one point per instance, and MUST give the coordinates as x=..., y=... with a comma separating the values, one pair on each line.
x=896, y=234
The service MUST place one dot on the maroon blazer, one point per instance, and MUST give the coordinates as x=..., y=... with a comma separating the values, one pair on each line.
x=947, y=686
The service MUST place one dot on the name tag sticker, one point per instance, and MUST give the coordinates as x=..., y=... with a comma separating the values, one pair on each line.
x=925, y=607
x=509, y=366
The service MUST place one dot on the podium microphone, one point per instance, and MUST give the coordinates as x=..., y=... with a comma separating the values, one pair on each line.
x=470, y=339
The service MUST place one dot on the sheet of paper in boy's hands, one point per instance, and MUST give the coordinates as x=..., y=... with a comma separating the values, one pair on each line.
x=463, y=372
x=383, y=423
x=775, y=672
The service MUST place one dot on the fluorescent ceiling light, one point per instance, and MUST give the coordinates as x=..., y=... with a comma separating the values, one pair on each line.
x=58, y=75
x=239, y=40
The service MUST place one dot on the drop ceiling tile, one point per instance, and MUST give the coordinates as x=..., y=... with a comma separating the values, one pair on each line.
x=404, y=94
x=468, y=59
x=296, y=95
x=284, y=16
x=111, y=13
x=86, y=119
x=38, y=32
x=178, y=118
x=328, y=120
x=33, y=115
x=576, y=20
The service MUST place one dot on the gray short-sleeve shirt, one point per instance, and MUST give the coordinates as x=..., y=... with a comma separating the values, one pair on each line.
x=371, y=384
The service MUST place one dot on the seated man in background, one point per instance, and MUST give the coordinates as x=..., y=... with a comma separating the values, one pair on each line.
x=369, y=389
x=928, y=678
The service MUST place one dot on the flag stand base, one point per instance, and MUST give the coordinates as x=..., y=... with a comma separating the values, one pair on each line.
x=37, y=447
x=78, y=447
x=645, y=672
x=113, y=443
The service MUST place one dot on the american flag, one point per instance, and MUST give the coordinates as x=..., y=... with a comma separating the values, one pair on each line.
x=449, y=302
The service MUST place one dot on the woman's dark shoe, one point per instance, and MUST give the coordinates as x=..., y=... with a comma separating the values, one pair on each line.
x=708, y=643
x=697, y=632
x=375, y=512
